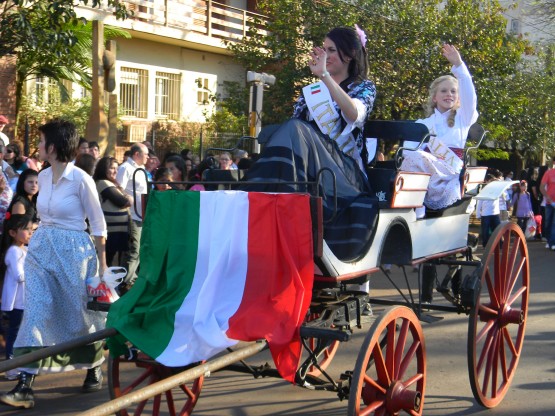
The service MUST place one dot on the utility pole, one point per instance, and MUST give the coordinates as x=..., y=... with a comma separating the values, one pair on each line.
x=258, y=81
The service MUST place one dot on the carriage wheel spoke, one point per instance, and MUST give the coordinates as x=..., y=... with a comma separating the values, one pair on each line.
x=413, y=379
x=399, y=348
x=514, y=278
x=517, y=295
x=138, y=381
x=171, y=404
x=485, y=330
x=485, y=351
x=381, y=369
x=374, y=383
x=408, y=358
x=140, y=408
x=390, y=350
x=491, y=290
x=372, y=407
x=489, y=361
x=503, y=358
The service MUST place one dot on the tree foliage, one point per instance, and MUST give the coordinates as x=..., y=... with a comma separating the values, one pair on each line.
x=513, y=83
x=44, y=24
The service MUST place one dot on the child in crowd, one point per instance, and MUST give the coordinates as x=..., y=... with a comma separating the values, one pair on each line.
x=18, y=229
x=24, y=200
x=163, y=175
x=522, y=205
x=488, y=212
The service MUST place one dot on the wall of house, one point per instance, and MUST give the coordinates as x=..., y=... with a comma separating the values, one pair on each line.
x=190, y=64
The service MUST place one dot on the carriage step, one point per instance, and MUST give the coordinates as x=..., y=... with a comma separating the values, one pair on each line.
x=334, y=334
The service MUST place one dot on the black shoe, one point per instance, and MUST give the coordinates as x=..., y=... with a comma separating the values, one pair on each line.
x=93, y=381
x=22, y=394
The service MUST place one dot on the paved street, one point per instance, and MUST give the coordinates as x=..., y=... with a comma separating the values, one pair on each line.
x=448, y=390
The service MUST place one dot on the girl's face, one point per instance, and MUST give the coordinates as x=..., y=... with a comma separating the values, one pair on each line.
x=446, y=96
x=225, y=162
x=334, y=64
x=176, y=173
x=188, y=165
x=22, y=236
x=112, y=171
x=31, y=185
x=164, y=186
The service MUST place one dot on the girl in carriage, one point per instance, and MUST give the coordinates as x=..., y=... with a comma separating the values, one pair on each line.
x=327, y=131
x=451, y=110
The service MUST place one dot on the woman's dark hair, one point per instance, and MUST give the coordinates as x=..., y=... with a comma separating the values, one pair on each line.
x=62, y=135
x=101, y=170
x=18, y=160
x=348, y=45
x=86, y=161
x=12, y=222
x=179, y=164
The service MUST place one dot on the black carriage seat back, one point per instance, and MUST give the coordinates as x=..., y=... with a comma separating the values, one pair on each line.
x=217, y=179
x=384, y=174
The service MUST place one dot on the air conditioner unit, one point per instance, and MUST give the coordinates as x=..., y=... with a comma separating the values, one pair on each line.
x=136, y=133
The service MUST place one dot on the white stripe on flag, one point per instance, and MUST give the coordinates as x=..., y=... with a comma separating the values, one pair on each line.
x=220, y=274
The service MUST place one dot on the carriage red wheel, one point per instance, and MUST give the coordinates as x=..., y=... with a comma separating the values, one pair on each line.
x=498, y=320
x=390, y=372
x=127, y=376
x=326, y=356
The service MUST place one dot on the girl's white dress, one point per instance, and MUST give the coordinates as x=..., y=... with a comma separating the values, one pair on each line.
x=444, y=188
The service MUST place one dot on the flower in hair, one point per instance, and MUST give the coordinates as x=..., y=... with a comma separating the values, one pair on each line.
x=361, y=35
x=8, y=215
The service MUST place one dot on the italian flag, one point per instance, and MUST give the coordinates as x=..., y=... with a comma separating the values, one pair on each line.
x=217, y=268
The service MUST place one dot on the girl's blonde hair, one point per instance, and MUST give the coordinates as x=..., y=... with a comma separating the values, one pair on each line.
x=430, y=105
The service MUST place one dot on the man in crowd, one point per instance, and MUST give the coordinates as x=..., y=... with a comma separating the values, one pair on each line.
x=137, y=159
x=547, y=188
x=94, y=150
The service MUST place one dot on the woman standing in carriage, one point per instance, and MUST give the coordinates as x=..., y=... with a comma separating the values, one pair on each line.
x=326, y=131
x=450, y=110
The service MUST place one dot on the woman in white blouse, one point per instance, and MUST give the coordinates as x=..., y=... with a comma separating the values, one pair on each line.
x=451, y=110
x=61, y=256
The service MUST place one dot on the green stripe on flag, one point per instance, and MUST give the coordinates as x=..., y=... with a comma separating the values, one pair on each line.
x=315, y=87
x=168, y=254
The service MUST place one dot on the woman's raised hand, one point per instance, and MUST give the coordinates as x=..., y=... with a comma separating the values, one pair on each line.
x=317, y=62
x=451, y=54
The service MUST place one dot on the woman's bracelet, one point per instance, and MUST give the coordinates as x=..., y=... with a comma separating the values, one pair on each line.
x=324, y=74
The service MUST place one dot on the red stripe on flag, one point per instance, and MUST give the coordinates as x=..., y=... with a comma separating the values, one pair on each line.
x=280, y=273
x=315, y=92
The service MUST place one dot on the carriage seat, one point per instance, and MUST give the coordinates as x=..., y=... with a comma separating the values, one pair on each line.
x=397, y=189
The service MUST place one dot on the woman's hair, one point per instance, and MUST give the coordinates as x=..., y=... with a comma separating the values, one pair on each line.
x=348, y=45
x=102, y=166
x=17, y=159
x=20, y=191
x=12, y=222
x=430, y=105
x=62, y=135
x=179, y=164
x=86, y=161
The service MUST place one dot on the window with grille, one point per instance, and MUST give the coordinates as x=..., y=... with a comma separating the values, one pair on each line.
x=203, y=92
x=133, y=92
x=167, y=95
x=45, y=91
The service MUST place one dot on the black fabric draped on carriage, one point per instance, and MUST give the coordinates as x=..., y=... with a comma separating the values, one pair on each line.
x=296, y=152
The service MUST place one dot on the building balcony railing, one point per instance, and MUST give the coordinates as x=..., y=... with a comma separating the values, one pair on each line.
x=204, y=17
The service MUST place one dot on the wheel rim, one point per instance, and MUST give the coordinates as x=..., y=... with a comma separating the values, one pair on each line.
x=128, y=376
x=498, y=321
x=326, y=357
x=390, y=372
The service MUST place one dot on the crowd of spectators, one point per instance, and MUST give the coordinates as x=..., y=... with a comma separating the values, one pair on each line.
x=117, y=194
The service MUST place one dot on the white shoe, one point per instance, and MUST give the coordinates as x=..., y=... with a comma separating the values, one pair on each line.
x=12, y=374
x=553, y=247
x=547, y=245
